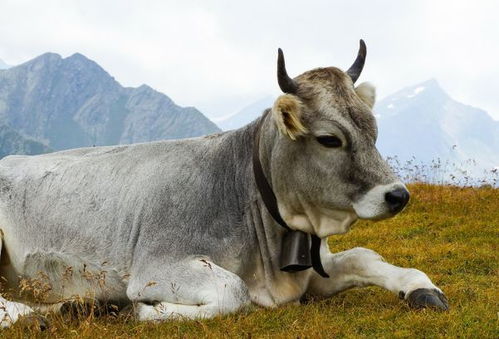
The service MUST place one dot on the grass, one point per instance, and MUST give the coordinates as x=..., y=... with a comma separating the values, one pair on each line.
x=451, y=233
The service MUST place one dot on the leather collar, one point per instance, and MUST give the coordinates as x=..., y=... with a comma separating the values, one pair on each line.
x=299, y=250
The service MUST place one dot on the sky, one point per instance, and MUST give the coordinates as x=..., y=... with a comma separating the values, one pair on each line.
x=221, y=55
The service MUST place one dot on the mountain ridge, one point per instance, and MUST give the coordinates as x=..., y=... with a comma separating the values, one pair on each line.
x=424, y=122
x=73, y=102
x=245, y=115
x=11, y=142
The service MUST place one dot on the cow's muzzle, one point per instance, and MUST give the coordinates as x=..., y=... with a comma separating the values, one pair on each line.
x=382, y=201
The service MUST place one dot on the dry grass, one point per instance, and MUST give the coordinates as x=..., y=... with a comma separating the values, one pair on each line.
x=450, y=233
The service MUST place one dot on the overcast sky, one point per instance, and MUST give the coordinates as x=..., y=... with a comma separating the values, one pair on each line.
x=220, y=55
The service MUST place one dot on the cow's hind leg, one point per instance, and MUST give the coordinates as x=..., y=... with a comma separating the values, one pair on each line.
x=360, y=267
x=194, y=288
x=11, y=312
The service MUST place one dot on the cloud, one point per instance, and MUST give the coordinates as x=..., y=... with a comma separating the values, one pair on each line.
x=221, y=55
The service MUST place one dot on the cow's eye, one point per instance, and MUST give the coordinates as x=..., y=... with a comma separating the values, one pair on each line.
x=329, y=141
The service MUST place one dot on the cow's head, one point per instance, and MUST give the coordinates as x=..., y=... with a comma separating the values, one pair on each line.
x=325, y=169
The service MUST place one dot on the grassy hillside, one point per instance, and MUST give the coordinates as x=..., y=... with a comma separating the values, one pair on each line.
x=450, y=233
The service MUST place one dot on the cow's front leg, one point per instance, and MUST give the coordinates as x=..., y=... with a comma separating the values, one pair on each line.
x=360, y=267
x=195, y=288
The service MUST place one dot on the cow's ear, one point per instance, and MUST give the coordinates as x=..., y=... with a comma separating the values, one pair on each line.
x=287, y=112
x=367, y=93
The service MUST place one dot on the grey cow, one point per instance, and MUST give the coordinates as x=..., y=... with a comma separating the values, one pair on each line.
x=180, y=229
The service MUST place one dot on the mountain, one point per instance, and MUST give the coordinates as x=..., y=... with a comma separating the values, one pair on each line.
x=73, y=102
x=424, y=122
x=3, y=65
x=12, y=142
x=244, y=116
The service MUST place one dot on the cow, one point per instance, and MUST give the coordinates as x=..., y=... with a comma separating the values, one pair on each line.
x=204, y=226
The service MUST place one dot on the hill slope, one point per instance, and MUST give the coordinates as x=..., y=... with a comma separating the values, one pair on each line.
x=12, y=142
x=73, y=102
x=245, y=115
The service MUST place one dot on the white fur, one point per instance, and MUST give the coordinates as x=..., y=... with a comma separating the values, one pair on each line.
x=319, y=221
x=165, y=310
x=367, y=93
x=11, y=311
x=219, y=292
x=281, y=288
x=359, y=267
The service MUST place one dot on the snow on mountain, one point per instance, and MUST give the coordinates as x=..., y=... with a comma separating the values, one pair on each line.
x=423, y=122
x=3, y=65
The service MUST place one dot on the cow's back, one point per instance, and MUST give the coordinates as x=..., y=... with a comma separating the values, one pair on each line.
x=101, y=202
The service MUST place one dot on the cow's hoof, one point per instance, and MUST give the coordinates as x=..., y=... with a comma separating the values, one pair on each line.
x=34, y=321
x=426, y=297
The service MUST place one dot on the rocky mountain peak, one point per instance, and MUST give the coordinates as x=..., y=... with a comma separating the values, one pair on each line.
x=73, y=102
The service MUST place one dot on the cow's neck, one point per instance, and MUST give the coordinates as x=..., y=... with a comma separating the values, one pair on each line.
x=263, y=272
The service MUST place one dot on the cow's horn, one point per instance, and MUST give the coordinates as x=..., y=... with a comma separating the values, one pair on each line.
x=286, y=84
x=355, y=70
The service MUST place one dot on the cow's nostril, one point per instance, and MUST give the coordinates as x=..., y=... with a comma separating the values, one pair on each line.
x=397, y=199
